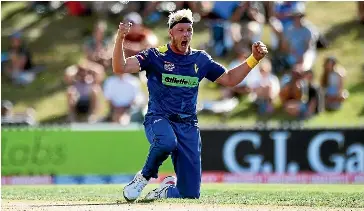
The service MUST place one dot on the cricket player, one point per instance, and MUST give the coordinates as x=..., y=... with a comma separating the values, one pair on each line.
x=174, y=72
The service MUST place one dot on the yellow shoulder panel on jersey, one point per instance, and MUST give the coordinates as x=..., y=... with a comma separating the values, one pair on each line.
x=163, y=48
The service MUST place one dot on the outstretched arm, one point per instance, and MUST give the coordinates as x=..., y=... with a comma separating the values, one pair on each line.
x=120, y=64
x=236, y=75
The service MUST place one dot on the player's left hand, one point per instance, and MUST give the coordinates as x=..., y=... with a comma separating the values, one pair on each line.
x=259, y=50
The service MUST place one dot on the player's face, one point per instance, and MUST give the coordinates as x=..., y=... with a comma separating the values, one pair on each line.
x=329, y=65
x=99, y=34
x=15, y=42
x=181, y=35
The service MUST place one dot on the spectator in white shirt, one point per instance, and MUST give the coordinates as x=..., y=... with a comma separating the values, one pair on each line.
x=83, y=94
x=264, y=87
x=242, y=88
x=123, y=94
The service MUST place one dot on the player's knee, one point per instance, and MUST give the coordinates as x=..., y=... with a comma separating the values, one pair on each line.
x=169, y=145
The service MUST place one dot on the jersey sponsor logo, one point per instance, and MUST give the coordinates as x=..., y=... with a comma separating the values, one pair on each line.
x=179, y=80
x=168, y=66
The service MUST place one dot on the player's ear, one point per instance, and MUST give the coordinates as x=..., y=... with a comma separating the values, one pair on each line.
x=170, y=33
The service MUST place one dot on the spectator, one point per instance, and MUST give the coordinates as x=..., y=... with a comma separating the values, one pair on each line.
x=84, y=94
x=98, y=72
x=303, y=99
x=314, y=101
x=218, y=15
x=301, y=40
x=20, y=66
x=77, y=8
x=292, y=90
x=95, y=48
x=230, y=95
x=269, y=9
x=283, y=11
x=139, y=37
x=101, y=8
x=281, y=48
x=332, y=81
x=250, y=17
x=154, y=10
x=264, y=88
x=9, y=117
x=149, y=10
x=260, y=84
x=193, y=6
x=124, y=96
x=242, y=88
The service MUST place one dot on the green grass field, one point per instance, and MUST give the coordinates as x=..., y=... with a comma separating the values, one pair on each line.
x=56, y=42
x=226, y=195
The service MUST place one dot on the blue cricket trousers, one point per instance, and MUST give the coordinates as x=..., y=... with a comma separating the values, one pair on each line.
x=180, y=139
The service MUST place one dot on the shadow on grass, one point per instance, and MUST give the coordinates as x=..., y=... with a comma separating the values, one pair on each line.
x=242, y=111
x=40, y=18
x=61, y=33
x=279, y=115
x=344, y=28
x=56, y=119
x=13, y=13
x=359, y=87
x=361, y=113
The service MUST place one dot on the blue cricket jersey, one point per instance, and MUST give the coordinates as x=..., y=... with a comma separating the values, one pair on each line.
x=173, y=79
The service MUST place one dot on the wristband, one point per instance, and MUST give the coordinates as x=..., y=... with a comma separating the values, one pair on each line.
x=251, y=61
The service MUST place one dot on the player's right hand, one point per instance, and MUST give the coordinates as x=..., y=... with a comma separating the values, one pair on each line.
x=123, y=29
x=259, y=50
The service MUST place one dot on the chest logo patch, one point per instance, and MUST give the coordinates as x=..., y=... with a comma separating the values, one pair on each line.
x=168, y=66
x=179, y=80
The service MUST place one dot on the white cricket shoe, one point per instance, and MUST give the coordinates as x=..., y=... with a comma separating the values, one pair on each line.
x=133, y=190
x=161, y=192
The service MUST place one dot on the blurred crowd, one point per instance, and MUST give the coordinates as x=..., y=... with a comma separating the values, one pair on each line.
x=287, y=76
x=87, y=80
